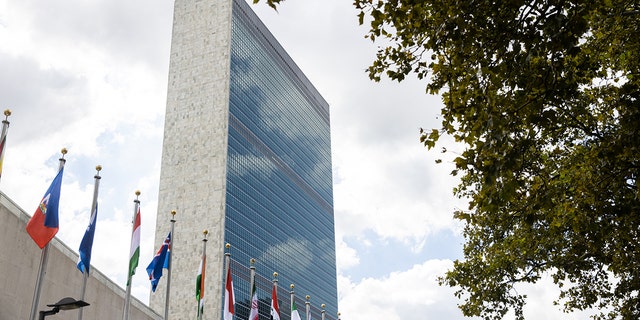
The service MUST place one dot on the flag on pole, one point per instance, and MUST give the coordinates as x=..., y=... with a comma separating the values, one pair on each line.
x=160, y=261
x=84, y=260
x=200, y=285
x=134, y=252
x=229, y=297
x=275, y=310
x=294, y=311
x=43, y=225
x=253, y=315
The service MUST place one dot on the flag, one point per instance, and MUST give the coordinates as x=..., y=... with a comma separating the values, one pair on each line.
x=84, y=260
x=43, y=225
x=134, y=252
x=160, y=261
x=275, y=311
x=229, y=297
x=253, y=315
x=200, y=285
x=294, y=311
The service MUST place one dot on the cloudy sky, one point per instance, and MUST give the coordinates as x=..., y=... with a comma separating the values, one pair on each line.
x=91, y=76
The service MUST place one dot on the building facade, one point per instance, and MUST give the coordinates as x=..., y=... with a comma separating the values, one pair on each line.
x=247, y=156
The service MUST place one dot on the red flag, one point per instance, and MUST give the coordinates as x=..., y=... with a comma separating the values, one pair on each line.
x=43, y=225
x=229, y=297
x=275, y=310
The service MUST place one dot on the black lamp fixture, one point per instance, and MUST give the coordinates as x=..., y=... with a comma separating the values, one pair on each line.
x=67, y=303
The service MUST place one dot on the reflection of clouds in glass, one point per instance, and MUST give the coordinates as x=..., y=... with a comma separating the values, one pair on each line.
x=298, y=118
x=250, y=165
x=295, y=256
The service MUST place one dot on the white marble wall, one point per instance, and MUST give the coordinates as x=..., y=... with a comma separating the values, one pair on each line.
x=192, y=180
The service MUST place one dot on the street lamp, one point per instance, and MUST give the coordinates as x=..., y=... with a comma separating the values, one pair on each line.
x=64, y=304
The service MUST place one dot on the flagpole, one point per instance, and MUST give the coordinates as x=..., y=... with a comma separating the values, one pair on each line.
x=3, y=137
x=252, y=276
x=166, y=301
x=85, y=275
x=44, y=257
x=308, y=307
x=127, y=299
x=292, y=295
x=253, y=309
x=202, y=272
x=322, y=312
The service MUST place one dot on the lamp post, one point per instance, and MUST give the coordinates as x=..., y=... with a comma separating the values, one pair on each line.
x=64, y=304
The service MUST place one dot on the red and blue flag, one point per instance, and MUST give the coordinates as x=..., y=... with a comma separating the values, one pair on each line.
x=160, y=261
x=43, y=225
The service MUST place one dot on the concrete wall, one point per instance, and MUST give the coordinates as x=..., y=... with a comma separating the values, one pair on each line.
x=19, y=262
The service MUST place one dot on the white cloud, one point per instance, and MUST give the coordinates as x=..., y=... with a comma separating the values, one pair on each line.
x=410, y=294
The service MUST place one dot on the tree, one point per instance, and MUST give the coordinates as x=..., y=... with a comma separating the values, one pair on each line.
x=545, y=97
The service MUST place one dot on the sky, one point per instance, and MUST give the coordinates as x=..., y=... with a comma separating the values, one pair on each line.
x=91, y=76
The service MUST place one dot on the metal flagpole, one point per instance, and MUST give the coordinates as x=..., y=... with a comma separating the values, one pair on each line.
x=322, y=312
x=252, y=276
x=44, y=257
x=292, y=294
x=253, y=304
x=166, y=301
x=202, y=274
x=3, y=137
x=127, y=299
x=85, y=275
x=308, y=307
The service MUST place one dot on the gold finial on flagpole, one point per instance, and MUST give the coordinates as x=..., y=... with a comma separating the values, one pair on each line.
x=308, y=297
x=7, y=113
x=252, y=261
x=275, y=274
x=323, y=305
x=291, y=286
x=98, y=168
x=63, y=151
x=137, y=193
x=228, y=245
x=173, y=213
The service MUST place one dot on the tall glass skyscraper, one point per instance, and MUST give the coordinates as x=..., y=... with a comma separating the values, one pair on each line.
x=246, y=155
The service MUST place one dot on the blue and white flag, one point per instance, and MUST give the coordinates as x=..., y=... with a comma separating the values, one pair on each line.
x=87, y=242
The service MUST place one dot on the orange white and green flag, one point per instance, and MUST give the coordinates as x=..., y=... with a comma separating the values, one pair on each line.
x=134, y=251
x=200, y=285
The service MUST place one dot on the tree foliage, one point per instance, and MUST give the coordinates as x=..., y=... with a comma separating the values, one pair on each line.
x=545, y=97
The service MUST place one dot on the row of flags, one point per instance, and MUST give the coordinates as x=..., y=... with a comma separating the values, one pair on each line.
x=161, y=261
x=44, y=225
